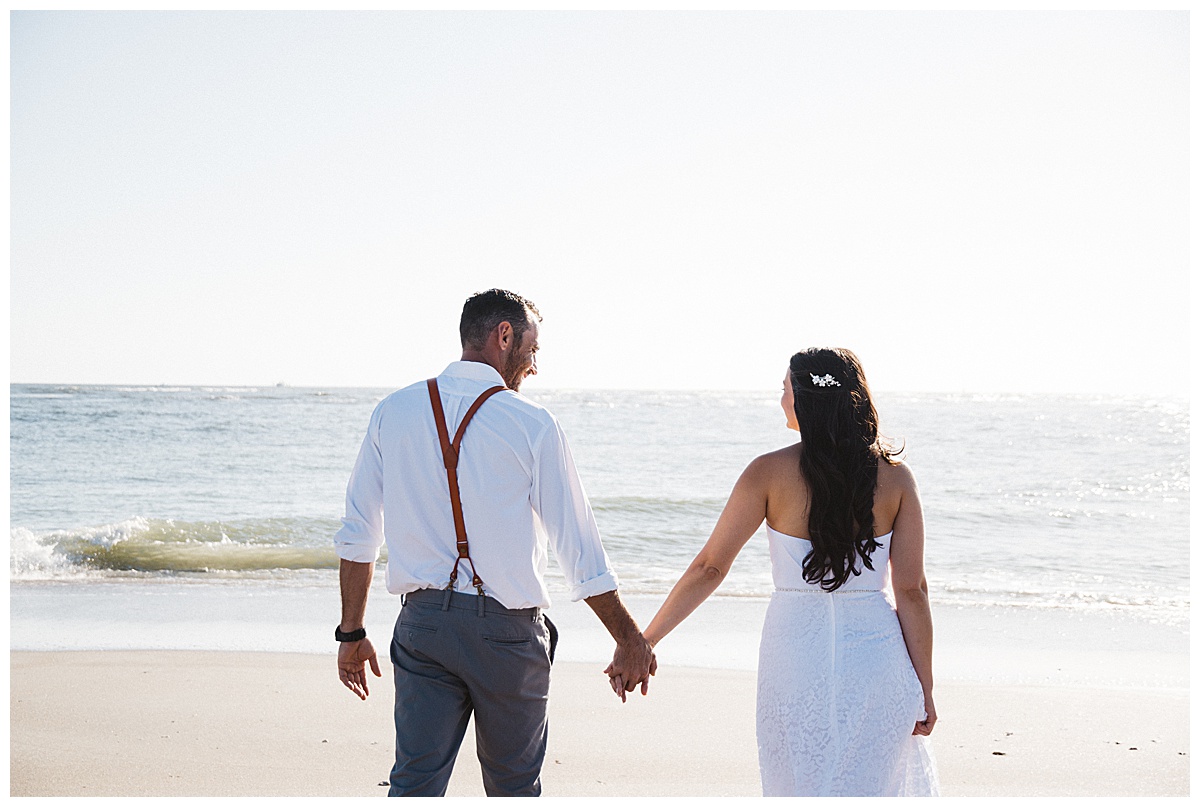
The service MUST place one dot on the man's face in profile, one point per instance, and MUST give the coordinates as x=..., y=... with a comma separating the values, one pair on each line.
x=522, y=360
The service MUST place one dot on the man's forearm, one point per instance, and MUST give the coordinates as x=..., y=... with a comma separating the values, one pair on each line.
x=615, y=616
x=633, y=662
x=355, y=579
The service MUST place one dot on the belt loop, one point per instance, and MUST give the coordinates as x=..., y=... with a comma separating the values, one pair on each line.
x=403, y=600
x=446, y=599
x=481, y=598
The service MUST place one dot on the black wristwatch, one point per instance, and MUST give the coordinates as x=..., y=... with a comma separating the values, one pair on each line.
x=352, y=636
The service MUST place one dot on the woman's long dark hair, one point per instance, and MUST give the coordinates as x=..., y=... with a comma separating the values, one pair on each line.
x=839, y=459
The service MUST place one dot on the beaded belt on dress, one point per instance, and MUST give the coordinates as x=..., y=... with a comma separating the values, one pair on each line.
x=823, y=591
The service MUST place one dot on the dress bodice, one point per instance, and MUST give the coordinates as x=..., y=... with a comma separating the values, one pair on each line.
x=787, y=564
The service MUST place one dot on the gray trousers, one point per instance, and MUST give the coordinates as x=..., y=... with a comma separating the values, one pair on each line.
x=452, y=658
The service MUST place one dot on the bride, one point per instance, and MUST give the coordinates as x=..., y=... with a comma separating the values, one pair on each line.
x=845, y=680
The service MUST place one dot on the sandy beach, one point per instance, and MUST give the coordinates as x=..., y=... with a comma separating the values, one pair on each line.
x=178, y=723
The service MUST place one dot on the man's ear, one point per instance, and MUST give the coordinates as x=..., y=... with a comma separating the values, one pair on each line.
x=505, y=334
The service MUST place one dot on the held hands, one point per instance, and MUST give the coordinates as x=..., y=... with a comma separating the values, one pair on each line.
x=632, y=665
x=352, y=669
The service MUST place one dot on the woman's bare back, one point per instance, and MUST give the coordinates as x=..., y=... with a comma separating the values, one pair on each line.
x=787, y=493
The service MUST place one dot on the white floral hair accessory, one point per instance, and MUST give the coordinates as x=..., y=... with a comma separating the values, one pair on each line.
x=824, y=381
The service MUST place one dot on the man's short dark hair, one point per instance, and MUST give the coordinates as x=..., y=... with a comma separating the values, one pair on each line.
x=482, y=312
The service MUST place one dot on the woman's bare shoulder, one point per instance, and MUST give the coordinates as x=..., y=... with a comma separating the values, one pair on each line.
x=769, y=466
x=898, y=477
x=788, y=456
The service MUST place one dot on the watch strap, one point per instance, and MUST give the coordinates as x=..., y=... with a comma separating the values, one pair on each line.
x=349, y=636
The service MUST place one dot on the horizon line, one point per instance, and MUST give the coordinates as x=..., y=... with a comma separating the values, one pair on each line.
x=876, y=390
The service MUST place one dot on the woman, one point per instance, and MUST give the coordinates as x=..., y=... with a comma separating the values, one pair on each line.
x=845, y=681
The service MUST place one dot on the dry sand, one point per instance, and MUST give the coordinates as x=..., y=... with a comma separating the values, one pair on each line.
x=175, y=723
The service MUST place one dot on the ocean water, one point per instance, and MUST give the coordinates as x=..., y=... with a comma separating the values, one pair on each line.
x=1068, y=505
x=201, y=518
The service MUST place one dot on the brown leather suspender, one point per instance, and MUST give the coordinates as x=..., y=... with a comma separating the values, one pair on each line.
x=450, y=460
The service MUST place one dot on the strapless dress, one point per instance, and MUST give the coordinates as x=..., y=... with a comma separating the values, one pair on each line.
x=837, y=693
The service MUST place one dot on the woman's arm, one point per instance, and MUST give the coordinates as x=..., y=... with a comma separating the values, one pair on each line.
x=743, y=513
x=911, y=589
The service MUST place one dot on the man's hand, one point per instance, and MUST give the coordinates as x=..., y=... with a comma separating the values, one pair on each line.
x=352, y=665
x=632, y=665
x=355, y=582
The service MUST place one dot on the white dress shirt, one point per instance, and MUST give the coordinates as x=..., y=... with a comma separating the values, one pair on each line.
x=520, y=491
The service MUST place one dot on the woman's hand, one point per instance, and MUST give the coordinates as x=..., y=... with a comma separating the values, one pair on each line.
x=618, y=684
x=924, y=727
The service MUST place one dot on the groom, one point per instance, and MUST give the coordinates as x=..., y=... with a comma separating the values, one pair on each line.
x=485, y=503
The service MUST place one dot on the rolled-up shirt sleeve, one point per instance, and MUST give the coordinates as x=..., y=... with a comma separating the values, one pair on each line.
x=361, y=534
x=563, y=508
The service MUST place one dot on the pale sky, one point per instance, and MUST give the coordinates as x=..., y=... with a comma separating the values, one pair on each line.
x=970, y=201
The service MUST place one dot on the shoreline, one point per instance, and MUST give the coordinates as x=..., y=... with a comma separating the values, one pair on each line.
x=973, y=644
x=214, y=723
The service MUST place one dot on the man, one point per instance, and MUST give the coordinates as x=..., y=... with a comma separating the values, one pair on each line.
x=474, y=641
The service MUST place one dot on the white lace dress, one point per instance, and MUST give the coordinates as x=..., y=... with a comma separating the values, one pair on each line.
x=837, y=694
